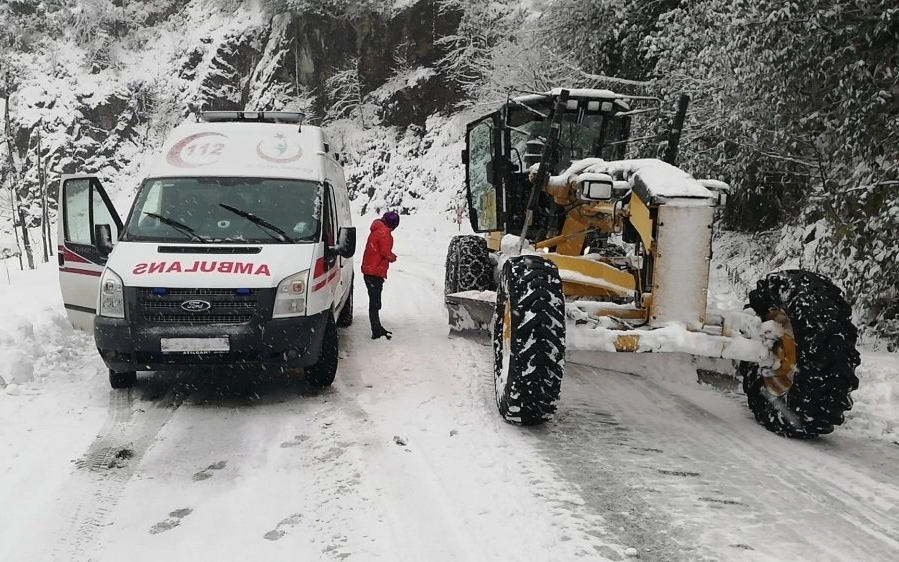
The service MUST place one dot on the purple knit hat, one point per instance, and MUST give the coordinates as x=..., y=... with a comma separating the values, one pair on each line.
x=391, y=219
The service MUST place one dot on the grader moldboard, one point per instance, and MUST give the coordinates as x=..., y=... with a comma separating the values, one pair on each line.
x=588, y=250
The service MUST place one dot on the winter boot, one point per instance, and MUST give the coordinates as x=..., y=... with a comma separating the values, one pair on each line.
x=377, y=330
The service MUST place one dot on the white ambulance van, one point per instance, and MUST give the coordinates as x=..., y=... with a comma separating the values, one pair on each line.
x=237, y=252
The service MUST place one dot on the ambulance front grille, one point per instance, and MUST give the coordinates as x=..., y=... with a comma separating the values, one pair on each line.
x=198, y=318
x=226, y=306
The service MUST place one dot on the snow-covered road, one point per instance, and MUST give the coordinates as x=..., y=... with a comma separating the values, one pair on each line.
x=405, y=457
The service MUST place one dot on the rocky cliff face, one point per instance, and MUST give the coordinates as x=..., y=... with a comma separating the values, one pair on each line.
x=101, y=93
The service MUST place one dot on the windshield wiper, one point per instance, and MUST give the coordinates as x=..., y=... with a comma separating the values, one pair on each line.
x=180, y=227
x=263, y=224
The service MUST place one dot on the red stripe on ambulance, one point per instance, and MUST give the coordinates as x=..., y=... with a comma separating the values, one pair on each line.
x=335, y=273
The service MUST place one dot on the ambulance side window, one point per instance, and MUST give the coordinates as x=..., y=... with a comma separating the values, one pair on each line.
x=330, y=217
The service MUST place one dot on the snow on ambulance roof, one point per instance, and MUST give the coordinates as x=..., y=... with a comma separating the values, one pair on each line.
x=650, y=178
x=241, y=149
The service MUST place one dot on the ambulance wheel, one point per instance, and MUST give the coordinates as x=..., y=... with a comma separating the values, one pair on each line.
x=809, y=392
x=124, y=379
x=528, y=340
x=346, y=313
x=323, y=372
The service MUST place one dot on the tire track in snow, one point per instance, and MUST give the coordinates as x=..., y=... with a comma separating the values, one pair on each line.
x=734, y=487
x=445, y=505
x=834, y=491
x=101, y=475
x=590, y=447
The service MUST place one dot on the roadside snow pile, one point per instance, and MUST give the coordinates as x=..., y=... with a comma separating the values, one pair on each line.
x=16, y=348
x=876, y=409
x=34, y=331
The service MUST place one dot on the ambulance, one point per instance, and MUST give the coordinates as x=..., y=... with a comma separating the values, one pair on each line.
x=237, y=252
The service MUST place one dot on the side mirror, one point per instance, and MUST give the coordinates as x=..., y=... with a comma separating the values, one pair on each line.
x=103, y=238
x=346, y=243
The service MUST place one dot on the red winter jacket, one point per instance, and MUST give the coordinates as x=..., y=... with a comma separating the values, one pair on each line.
x=378, y=253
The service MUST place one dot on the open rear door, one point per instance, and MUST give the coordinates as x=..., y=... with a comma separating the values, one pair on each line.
x=84, y=204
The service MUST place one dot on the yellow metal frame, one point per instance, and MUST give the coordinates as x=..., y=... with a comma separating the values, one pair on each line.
x=641, y=220
x=785, y=350
x=617, y=283
x=611, y=282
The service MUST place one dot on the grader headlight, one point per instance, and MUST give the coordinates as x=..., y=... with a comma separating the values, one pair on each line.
x=596, y=187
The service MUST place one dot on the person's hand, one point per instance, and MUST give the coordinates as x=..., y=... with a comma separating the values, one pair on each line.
x=391, y=258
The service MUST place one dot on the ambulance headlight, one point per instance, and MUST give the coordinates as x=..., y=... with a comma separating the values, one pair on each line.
x=290, y=299
x=112, y=295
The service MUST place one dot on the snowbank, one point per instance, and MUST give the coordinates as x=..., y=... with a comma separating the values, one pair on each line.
x=34, y=333
x=876, y=409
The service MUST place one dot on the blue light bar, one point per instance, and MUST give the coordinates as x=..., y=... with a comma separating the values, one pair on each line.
x=242, y=292
x=160, y=291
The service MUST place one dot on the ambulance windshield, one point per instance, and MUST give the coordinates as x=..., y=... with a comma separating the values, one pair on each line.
x=232, y=210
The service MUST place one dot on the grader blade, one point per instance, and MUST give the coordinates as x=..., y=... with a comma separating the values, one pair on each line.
x=470, y=310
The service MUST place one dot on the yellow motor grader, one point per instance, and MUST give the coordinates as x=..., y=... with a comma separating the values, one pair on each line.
x=584, y=248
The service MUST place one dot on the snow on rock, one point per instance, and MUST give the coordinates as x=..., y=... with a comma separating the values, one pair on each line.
x=406, y=170
x=8, y=250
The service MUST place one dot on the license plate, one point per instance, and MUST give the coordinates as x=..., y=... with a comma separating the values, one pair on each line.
x=194, y=345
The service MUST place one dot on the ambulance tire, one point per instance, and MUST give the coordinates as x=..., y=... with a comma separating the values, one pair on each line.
x=345, y=318
x=120, y=380
x=322, y=373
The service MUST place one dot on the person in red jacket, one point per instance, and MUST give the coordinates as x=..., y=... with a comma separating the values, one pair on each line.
x=376, y=259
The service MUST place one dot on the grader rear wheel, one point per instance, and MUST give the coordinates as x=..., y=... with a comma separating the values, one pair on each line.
x=468, y=265
x=809, y=392
x=529, y=340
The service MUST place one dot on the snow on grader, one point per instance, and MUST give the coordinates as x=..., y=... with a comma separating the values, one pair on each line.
x=582, y=249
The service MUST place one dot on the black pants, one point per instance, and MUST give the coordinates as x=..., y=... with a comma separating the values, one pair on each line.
x=375, y=285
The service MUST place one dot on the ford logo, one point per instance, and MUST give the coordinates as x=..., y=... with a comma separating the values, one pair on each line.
x=196, y=306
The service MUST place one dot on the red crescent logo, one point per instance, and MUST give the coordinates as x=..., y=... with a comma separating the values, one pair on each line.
x=175, y=156
x=284, y=160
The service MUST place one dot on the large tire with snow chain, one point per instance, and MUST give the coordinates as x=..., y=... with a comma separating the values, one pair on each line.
x=324, y=371
x=449, y=278
x=468, y=265
x=528, y=340
x=812, y=398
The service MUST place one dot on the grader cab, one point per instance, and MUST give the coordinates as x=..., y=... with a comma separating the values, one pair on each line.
x=582, y=248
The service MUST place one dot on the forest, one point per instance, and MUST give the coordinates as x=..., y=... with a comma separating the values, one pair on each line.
x=795, y=104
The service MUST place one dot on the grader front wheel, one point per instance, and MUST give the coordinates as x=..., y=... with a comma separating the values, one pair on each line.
x=809, y=392
x=529, y=340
